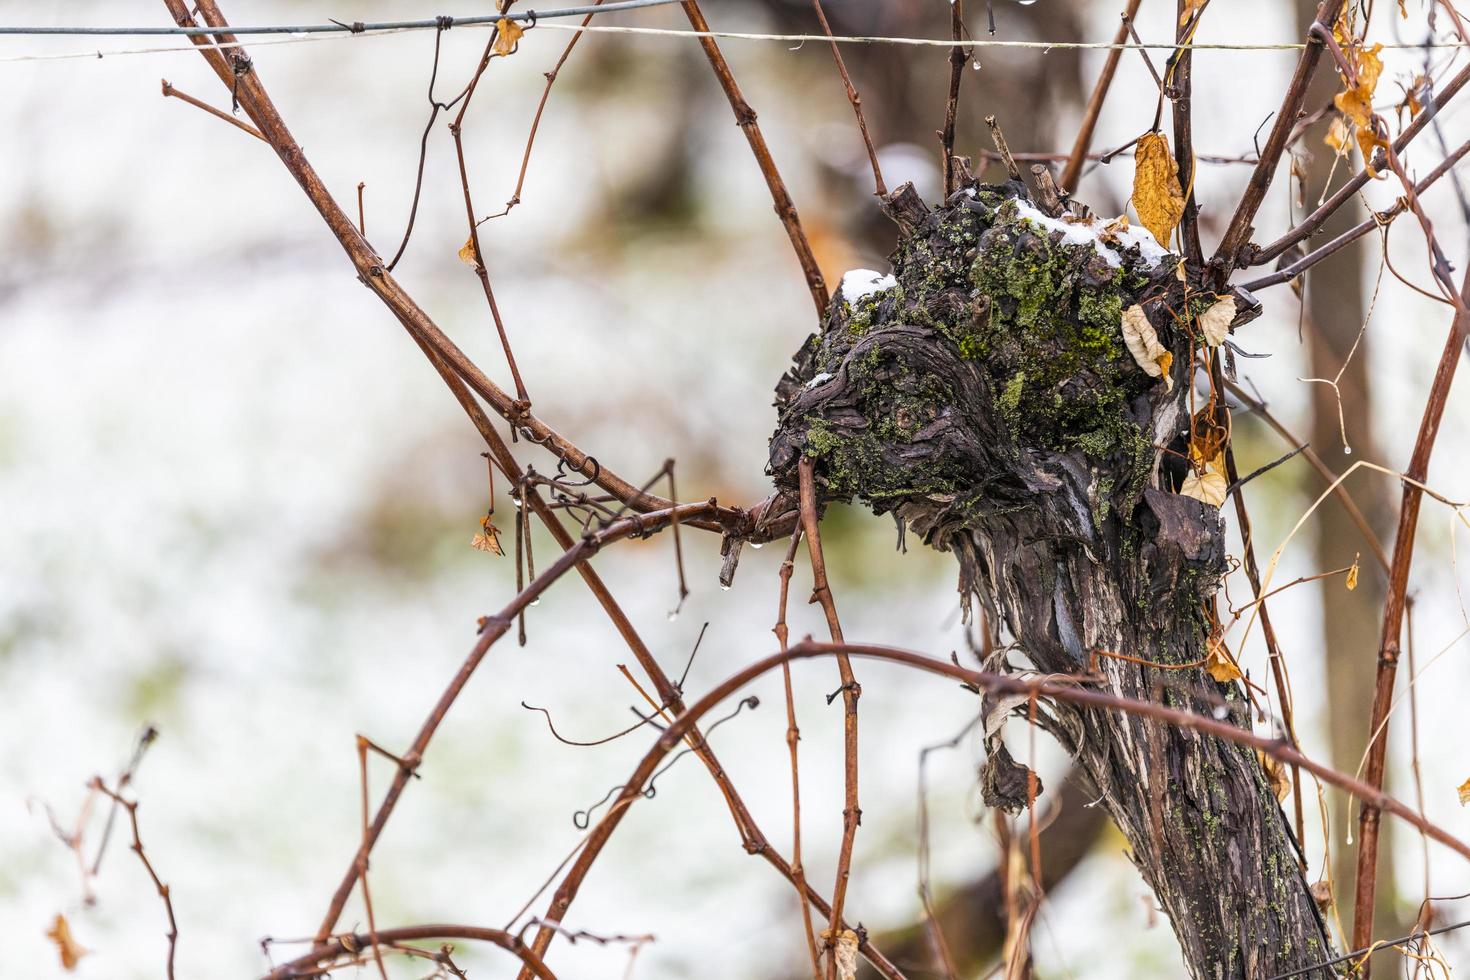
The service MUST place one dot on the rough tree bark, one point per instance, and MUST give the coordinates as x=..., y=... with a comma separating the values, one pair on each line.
x=988, y=401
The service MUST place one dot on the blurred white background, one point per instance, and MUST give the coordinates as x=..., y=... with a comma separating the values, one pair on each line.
x=237, y=501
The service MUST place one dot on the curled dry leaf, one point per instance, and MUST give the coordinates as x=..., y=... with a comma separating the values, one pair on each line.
x=1276, y=775
x=1338, y=137
x=1218, y=663
x=1322, y=894
x=467, y=252
x=507, y=33
x=1464, y=795
x=1157, y=196
x=1356, y=102
x=488, y=539
x=1143, y=344
x=1215, y=322
x=67, y=947
x=1208, y=487
x=844, y=952
x=1189, y=9
x=1352, y=575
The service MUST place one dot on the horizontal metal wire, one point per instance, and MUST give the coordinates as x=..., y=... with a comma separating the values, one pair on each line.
x=357, y=27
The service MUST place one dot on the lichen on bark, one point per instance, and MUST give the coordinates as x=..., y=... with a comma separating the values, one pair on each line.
x=988, y=400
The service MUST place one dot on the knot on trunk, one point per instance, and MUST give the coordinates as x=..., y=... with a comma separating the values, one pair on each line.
x=987, y=395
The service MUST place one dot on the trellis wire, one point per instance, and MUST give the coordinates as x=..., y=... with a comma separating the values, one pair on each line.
x=357, y=27
x=332, y=32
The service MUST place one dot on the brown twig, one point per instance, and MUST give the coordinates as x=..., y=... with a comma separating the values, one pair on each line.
x=1073, y=169
x=350, y=945
x=1268, y=631
x=754, y=840
x=1061, y=690
x=1393, y=613
x=170, y=91
x=852, y=814
x=1012, y=171
x=1313, y=222
x=1228, y=254
x=1344, y=497
x=745, y=118
x=551, y=76
x=137, y=848
x=1374, y=221
x=1180, y=74
x=958, y=56
x=257, y=103
x=793, y=736
x=456, y=129
x=856, y=100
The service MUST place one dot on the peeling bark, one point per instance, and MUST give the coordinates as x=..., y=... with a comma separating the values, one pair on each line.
x=989, y=402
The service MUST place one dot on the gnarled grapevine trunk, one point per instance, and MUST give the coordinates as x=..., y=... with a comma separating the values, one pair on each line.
x=986, y=397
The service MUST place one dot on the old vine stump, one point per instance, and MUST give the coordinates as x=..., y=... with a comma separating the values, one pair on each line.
x=987, y=399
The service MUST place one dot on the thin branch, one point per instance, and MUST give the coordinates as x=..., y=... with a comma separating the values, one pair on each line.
x=137, y=848
x=350, y=945
x=856, y=100
x=1072, y=172
x=793, y=736
x=852, y=814
x=1228, y=256
x=1180, y=75
x=1393, y=613
x=1061, y=690
x=551, y=77
x=244, y=127
x=1313, y=222
x=258, y=105
x=745, y=118
x=456, y=128
x=958, y=57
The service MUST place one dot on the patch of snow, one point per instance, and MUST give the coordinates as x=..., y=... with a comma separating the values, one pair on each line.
x=819, y=379
x=1090, y=233
x=864, y=282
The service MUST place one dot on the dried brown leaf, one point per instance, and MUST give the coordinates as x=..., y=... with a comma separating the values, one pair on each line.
x=1157, y=196
x=1464, y=795
x=67, y=947
x=507, y=33
x=1338, y=137
x=1143, y=344
x=488, y=539
x=1352, y=575
x=1208, y=488
x=1218, y=663
x=1276, y=775
x=467, y=252
x=1215, y=322
x=1189, y=9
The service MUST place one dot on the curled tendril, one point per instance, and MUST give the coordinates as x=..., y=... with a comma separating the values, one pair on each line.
x=582, y=819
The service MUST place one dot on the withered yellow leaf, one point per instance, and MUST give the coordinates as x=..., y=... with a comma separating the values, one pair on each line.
x=507, y=33
x=1157, y=196
x=1352, y=575
x=1218, y=664
x=488, y=539
x=1209, y=486
x=1276, y=776
x=1338, y=136
x=1215, y=322
x=66, y=945
x=467, y=252
x=1143, y=343
x=1464, y=793
x=1188, y=10
x=1357, y=102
